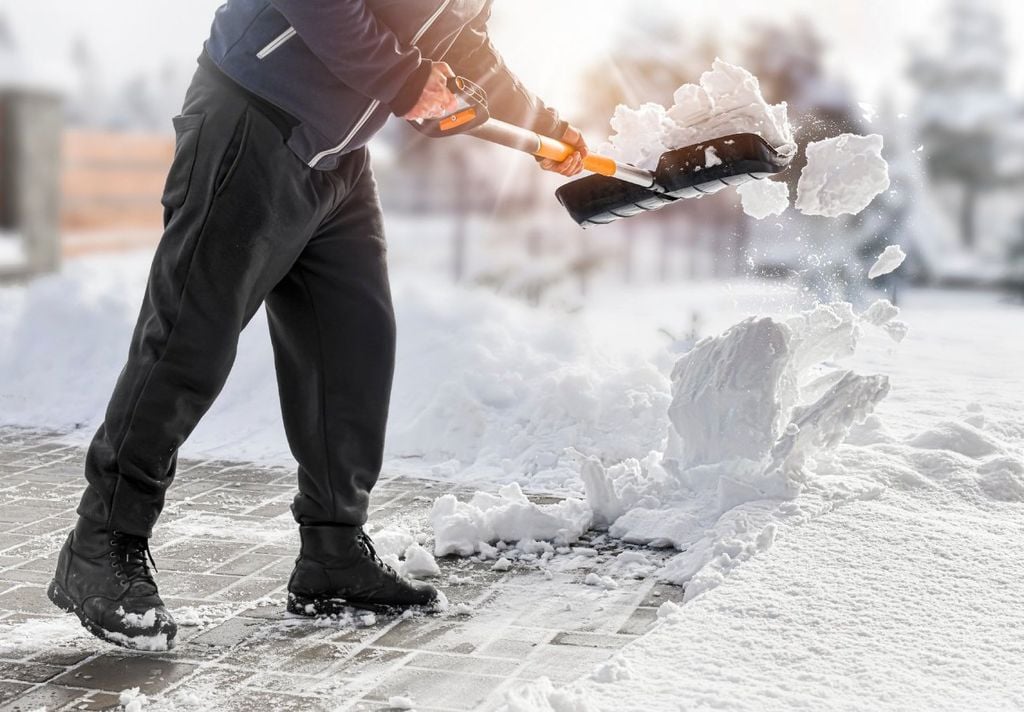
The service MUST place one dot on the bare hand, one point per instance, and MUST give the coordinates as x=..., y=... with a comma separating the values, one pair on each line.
x=435, y=100
x=574, y=163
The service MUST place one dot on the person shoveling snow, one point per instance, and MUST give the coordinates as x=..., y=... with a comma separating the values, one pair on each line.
x=271, y=199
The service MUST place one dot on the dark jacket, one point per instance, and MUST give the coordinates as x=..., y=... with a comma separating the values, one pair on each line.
x=341, y=67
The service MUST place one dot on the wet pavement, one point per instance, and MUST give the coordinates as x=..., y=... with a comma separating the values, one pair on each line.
x=225, y=546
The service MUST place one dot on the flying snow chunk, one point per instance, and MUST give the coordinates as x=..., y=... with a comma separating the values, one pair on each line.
x=843, y=175
x=761, y=198
x=887, y=262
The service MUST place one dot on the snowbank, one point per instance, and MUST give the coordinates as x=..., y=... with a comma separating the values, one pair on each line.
x=726, y=101
x=485, y=386
x=464, y=528
x=752, y=411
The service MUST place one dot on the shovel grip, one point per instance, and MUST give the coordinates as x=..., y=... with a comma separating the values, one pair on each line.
x=531, y=142
x=559, y=150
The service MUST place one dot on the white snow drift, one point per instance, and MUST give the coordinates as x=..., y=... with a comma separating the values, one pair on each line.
x=752, y=409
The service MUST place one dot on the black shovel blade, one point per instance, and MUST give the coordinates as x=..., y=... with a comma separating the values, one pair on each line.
x=681, y=173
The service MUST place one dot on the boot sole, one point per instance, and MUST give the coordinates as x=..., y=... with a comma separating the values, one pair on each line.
x=63, y=601
x=312, y=607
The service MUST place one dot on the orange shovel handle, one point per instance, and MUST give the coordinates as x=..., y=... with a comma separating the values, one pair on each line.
x=559, y=150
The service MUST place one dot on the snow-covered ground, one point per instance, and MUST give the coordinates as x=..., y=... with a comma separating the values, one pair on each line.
x=889, y=579
x=902, y=596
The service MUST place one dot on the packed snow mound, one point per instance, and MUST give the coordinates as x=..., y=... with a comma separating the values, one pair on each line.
x=843, y=175
x=465, y=528
x=753, y=411
x=763, y=198
x=888, y=262
x=727, y=101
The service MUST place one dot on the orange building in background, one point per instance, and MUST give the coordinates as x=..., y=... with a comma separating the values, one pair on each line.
x=110, y=185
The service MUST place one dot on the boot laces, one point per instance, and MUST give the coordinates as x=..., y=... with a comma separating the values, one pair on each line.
x=367, y=544
x=132, y=558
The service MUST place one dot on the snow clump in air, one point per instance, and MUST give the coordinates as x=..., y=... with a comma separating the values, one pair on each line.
x=843, y=175
x=763, y=198
x=889, y=261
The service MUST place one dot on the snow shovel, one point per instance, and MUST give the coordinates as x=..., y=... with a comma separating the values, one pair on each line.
x=616, y=190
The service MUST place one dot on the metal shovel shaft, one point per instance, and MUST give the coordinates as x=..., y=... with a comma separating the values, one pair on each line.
x=527, y=141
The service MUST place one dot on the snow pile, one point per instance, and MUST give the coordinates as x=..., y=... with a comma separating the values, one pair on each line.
x=488, y=382
x=889, y=261
x=843, y=175
x=763, y=198
x=726, y=101
x=132, y=700
x=465, y=528
x=403, y=551
x=482, y=382
x=752, y=411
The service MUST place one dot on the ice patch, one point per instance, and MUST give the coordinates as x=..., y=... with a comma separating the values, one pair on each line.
x=843, y=175
x=889, y=261
x=461, y=527
x=727, y=101
x=763, y=198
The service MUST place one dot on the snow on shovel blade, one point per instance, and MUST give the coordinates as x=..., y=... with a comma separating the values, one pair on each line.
x=688, y=172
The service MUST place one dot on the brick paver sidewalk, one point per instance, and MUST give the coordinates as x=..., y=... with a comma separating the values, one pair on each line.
x=225, y=547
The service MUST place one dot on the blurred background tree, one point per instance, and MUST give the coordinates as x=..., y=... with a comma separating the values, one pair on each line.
x=964, y=105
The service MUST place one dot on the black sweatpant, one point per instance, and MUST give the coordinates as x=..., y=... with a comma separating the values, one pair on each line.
x=247, y=222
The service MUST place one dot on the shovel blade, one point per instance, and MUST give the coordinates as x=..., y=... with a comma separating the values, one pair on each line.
x=681, y=173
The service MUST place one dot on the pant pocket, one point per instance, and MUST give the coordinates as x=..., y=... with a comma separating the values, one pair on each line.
x=186, y=147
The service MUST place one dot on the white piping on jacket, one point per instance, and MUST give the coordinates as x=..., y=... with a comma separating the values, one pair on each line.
x=275, y=43
x=376, y=102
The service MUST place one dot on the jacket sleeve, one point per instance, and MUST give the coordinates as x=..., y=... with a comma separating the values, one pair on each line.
x=359, y=49
x=474, y=57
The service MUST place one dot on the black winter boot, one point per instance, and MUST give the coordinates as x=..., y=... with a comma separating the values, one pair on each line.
x=338, y=567
x=103, y=578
